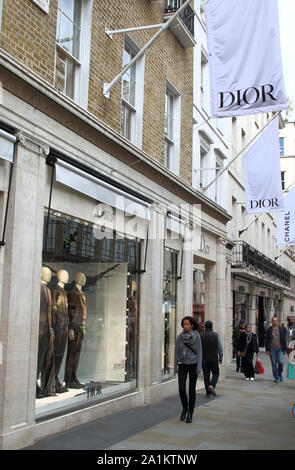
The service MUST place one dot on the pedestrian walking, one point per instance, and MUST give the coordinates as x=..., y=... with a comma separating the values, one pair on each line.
x=276, y=347
x=237, y=331
x=188, y=361
x=212, y=357
x=247, y=346
x=290, y=340
x=282, y=325
x=290, y=335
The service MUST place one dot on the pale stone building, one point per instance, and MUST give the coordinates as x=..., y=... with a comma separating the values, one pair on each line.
x=105, y=187
x=261, y=279
x=287, y=152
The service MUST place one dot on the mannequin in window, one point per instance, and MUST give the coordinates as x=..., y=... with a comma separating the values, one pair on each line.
x=60, y=314
x=132, y=331
x=46, y=340
x=77, y=328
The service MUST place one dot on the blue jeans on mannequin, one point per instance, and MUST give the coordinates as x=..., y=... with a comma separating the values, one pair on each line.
x=277, y=362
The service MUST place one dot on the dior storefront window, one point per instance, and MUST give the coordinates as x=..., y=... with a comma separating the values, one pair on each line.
x=169, y=312
x=88, y=315
x=199, y=296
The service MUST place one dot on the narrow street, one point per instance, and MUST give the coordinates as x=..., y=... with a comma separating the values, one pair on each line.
x=244, y=416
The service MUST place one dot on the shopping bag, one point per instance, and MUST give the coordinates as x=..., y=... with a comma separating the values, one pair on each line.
x=290, y=371
x=256, y=368
x=259, y=366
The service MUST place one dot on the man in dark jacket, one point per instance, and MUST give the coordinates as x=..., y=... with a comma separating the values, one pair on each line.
x=276, y=347
x=236, y=334
x=212, y=355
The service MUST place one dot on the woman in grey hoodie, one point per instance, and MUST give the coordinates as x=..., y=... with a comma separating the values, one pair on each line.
x=188, y=360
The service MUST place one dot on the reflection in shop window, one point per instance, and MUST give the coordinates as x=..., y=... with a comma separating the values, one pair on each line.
x=199, y=296
x=1, y=211
x=169, y=311
x=89, y=301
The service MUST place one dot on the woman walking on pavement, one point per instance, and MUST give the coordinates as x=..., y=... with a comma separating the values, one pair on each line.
x=247, y=344
x=188, y=361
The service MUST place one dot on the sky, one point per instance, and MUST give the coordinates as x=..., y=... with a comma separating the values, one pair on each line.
x=287, y=27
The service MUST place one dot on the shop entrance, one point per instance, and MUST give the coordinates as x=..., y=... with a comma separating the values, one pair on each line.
x=261, y=321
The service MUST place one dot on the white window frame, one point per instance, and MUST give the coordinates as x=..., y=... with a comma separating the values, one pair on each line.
x=204, y=161
x=1, y=4
x=172, y=137
x=218, y=182
x=81, y=63
x=136, y=108
x=205, y=89
x=283, y=180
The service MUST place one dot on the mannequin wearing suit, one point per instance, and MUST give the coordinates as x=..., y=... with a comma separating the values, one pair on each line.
x=60, y=313
x=46, y=338
x=77, y=326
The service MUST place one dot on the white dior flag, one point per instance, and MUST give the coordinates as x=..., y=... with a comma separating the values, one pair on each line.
x=286, y=221
x=244, y=55
x=262, y=173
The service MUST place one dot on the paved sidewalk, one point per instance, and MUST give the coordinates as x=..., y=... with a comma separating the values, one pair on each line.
x=244, y=416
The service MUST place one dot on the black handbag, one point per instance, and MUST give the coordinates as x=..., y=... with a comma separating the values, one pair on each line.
x=243, y=353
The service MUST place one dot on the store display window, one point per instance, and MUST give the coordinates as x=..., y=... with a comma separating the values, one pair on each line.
x=199, y=297
x=89, y=313
x=169, y=312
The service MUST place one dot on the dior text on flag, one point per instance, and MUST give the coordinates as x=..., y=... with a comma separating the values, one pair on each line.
x=262, y=173
x=244, y=55
x=286, y=221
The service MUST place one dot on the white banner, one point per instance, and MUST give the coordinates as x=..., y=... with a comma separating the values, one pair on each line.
x=262, y=173
x=244, y=56
x=43, y=4
x=286, y=221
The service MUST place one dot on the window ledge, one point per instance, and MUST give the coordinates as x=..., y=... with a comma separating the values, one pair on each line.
x=180, y=31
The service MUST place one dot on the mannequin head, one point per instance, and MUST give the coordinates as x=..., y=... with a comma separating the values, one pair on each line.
x=80, y=279
x=62, y=277
x=45, y=275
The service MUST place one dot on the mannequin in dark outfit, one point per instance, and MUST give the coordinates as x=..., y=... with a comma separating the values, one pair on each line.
x=77, y=326
x=46, y=338
x=60, y=314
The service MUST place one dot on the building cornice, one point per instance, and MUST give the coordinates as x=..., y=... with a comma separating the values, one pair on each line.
x=20, y=71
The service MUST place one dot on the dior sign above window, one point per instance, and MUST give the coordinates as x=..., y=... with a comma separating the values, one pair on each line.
x=43, y=4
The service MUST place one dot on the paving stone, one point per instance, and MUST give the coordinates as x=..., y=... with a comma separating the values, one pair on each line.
x=243, y=416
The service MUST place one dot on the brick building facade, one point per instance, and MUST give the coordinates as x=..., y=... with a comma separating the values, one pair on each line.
x=77, y=168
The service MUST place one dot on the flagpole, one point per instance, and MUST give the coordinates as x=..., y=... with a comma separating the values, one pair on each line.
x=285, y=249
x=237, y=156
x=257, y=216
x=108, y=86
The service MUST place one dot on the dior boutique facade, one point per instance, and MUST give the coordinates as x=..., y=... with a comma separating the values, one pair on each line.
x=96, y=270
